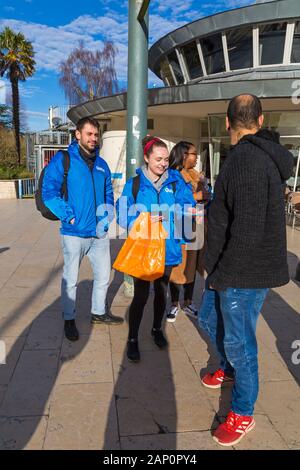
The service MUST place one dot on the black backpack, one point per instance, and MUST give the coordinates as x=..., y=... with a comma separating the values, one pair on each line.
x=63, y=191
x=136, y=181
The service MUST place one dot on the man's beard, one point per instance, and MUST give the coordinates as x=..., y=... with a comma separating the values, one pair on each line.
x=87, y=149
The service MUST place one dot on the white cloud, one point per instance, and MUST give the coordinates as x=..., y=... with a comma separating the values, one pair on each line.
x=35, y=114
x=28, y=91
x=171, y=7
x=160, y=26
x=53, y=44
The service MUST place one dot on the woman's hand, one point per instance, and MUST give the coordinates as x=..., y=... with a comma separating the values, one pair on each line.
x=156, y=218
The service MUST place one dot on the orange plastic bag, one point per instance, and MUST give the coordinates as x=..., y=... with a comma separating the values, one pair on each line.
x=143, y=253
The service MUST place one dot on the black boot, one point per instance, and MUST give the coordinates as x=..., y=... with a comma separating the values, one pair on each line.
x=133, y=352
x=71, y=331
x=158, y=338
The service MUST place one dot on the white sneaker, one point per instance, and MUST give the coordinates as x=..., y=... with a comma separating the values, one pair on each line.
x=171, y=316
x=191, y=310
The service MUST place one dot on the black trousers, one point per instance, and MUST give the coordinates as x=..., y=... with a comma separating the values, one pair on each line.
x=188, y=291
x=141, y=295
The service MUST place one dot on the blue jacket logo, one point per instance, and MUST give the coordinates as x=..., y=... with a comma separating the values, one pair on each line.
x=168, y=190
x=100, y=169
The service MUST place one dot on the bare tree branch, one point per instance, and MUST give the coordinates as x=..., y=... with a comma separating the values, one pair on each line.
x=86, y=75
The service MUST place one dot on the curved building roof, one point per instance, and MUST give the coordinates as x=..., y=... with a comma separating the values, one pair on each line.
x=198, y=92
x=255, y=49
x=259, y=35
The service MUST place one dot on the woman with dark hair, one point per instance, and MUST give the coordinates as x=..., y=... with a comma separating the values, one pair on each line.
x=156, y=185
x=183, y=157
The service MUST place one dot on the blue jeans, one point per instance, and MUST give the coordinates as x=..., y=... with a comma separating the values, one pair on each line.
x=98, y=252
x=229, y=318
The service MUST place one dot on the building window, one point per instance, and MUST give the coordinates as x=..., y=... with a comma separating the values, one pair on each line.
x=150, y=124
x=192, y=60
x=173, y=60
x=296, y=45
x=212, y=48
x=271, y=43
x=240, y=48
x=165, y=72
x=285, y=122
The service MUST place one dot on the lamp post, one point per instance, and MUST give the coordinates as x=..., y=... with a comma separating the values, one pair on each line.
x=137, y=94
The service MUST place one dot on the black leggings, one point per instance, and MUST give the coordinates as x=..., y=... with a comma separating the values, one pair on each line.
x=188, y=290
x=141, y=294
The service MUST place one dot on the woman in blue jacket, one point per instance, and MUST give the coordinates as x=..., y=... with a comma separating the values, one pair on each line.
x=156, y=185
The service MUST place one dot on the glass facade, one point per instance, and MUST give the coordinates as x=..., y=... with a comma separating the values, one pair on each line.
x=295, y=58
x=286, y=123
x=240, y=43
x=173, y=60
x=212, y=49
x=240, y=48
x=271, y=43
x=192, y=59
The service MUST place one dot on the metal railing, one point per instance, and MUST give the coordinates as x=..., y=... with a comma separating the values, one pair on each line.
x=47, y=138
x=26, y=187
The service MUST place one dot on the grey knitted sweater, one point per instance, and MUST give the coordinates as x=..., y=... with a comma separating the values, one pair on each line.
x=246, y=245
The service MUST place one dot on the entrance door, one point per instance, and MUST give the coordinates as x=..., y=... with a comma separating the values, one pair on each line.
x=218, y=152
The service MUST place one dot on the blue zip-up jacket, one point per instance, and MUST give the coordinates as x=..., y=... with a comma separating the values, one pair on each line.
x=88, y=194
x=148, y=195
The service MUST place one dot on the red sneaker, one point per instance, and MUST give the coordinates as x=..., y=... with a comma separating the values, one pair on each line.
x=234, y=429
x=216, y=379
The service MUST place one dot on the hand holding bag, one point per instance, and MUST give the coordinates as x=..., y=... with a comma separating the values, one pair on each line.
x=143, y=253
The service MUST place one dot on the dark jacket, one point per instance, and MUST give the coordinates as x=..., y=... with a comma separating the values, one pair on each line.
x=246, y=245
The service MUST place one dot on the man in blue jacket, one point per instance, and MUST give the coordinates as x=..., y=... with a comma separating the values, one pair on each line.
x=84, y=221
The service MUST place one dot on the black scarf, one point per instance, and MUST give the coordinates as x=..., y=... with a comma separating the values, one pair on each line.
x=88, y=157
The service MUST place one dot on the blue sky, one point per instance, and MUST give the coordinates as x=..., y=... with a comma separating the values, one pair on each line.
x=55, y=27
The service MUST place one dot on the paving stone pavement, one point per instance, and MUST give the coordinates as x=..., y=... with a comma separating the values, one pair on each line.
x=85, y=395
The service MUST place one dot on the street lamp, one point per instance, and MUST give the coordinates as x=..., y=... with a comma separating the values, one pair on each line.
x=137, y=94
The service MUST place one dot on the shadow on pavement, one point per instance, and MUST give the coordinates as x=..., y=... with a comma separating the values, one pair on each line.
x=284, y=322
x=294, y=268
x=144, y=393
x=31, y=371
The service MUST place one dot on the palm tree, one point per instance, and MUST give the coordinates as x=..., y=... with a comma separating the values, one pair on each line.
x=16, y=61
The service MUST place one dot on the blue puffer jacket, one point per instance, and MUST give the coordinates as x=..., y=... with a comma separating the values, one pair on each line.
x=87, y=190
x=148, y=196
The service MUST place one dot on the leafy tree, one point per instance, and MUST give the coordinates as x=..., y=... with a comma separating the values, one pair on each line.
x=86, y=75
x=17, y=63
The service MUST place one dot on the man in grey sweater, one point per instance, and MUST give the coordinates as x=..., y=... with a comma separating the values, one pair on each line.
x=246, y=255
